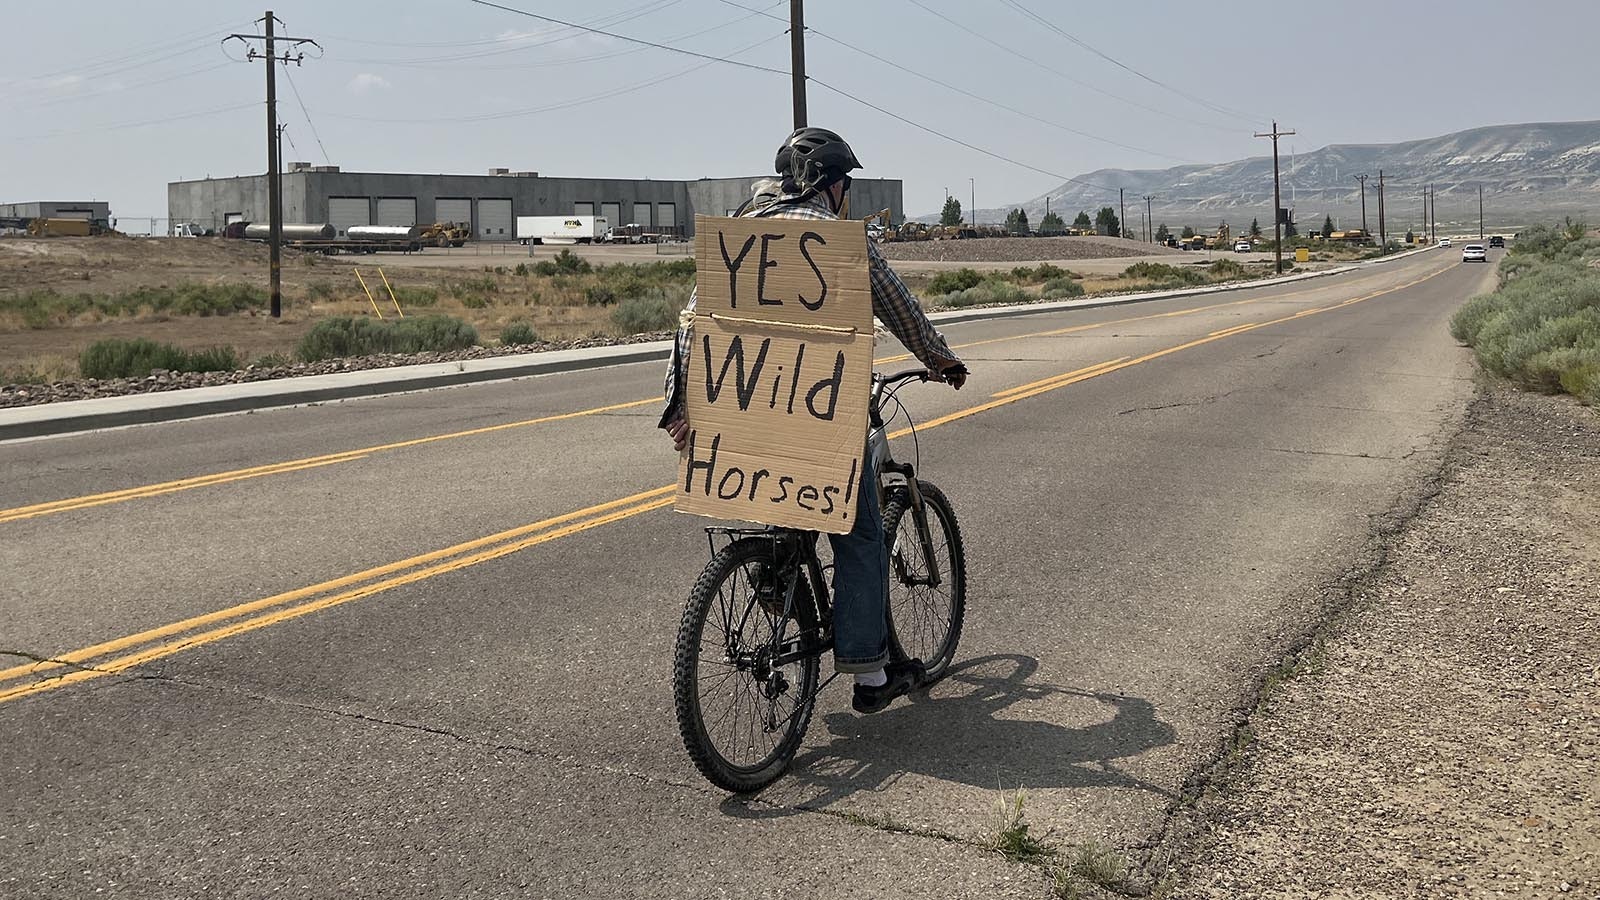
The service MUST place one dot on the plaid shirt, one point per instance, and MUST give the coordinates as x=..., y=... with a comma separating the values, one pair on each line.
x=892, y=303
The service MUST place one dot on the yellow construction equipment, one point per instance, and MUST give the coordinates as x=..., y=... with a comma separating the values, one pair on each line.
x=915, y=231
x=445, y=234
x=61, y=228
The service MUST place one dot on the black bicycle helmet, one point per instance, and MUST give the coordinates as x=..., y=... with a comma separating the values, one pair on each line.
x=813, y=158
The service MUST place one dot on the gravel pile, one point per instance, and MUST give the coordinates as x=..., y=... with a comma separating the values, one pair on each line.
x=1032, y=249
x=1448, y=743
x=30, y=394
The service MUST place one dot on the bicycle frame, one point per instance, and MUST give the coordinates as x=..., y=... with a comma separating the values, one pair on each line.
x=794, y=552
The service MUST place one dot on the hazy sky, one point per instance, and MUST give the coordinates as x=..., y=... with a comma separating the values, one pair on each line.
x=110, y=100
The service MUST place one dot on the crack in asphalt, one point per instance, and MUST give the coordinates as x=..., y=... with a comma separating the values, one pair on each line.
x=41, y=658
x=845, y=816
x=1338, y=597
x=1203, y=401
x=1406, y=455
x=434, y=730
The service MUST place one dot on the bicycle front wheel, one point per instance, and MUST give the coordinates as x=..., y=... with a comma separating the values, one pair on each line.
x=742, y=711
x=927, y=591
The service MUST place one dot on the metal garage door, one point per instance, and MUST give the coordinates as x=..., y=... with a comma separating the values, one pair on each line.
x=612, y=212
x=346, y=211
x=667, y=218
x=453, y=209
x=495, y=222
x=641, y=215
x=397, y=211
x=583, y=209
x=79, y=215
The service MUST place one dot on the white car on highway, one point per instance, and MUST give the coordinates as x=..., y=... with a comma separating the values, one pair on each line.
x=1474, y=253
x=1242, y=247
x=1444, y=242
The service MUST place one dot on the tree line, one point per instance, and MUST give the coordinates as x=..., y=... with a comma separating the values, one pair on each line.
x=1104, y=222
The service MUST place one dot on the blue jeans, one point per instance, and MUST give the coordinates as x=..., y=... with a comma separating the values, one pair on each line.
x=861, y=584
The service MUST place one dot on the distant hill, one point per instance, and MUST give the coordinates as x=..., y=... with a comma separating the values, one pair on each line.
x=1535, y=172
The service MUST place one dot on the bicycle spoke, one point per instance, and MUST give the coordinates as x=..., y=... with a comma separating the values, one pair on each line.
x=740, y=717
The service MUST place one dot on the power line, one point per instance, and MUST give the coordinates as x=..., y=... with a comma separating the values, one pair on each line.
x=559, y=62
x=1013, y=52
x=564, y=104
x=995, y=103
x=138, y=123
x=283, y=132
x=518, y=40
x=948, y=86
x=483, y=41
x=201, y=40
x=310, y=124
x=843, y=93
x=1124, y=66
x=623, y=37
x=955, y=140
x=190, y=73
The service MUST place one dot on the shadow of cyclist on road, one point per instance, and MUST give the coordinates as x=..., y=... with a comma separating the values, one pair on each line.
x=958, y=735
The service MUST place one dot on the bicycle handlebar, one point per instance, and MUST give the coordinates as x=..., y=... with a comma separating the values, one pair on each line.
x=920, y=372
x=905, y=375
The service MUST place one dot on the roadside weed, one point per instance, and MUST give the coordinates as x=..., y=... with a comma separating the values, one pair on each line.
x=1012, y=839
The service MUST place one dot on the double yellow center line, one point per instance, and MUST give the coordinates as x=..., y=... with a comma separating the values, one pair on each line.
x=293, y=465
x=312, y=462
x=123, y=653
x=120, y=654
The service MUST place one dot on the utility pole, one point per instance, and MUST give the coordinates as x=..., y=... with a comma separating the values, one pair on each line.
x=1383, y=232
x=1428, y=213
x=1122, y=223
x=1480, y=212
x=1363, y=180
x=270, y=56
x=1277, y=195
x=797, y=60
x=1149, y=235
x=973, y=186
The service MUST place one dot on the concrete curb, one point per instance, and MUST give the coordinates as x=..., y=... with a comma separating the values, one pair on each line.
x=74, y=416
x=165, y=406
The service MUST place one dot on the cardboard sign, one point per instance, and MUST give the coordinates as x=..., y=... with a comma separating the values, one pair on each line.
x=780, y=372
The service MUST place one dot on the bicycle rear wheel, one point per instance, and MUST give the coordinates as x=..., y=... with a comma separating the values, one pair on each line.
x=925, y=618
x=741, y=717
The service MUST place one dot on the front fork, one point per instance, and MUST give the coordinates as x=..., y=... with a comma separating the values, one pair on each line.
x=878, y=452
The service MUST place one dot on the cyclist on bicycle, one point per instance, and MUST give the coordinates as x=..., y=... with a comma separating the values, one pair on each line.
x=815, y=164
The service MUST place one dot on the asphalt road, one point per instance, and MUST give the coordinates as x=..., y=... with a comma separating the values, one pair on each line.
x=306, y=661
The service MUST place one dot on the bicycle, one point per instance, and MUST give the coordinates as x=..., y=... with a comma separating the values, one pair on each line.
x=759, y=618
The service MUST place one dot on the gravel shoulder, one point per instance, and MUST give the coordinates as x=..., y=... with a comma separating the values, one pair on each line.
x=1442, y=738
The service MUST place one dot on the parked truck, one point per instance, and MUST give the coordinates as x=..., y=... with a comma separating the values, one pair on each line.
x=562, y=229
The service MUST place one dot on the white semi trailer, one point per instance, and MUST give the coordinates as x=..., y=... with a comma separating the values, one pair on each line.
x=562, y=229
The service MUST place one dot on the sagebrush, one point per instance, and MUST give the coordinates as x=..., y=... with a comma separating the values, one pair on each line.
x=1541, y=327
x=136, y=358
x=345, y=336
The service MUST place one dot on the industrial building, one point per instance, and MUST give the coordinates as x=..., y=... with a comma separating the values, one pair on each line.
x=96, y=213
x=489, y=203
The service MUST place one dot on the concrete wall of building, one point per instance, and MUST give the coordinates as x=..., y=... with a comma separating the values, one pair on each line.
x=210, y=201
x=305, y=195
x=98, y=212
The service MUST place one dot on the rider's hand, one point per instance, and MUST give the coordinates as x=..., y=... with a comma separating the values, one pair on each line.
x=954, y=375
x=678, y=429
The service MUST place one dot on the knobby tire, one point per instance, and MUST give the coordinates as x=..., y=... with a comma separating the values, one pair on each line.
x=725, y=596
x=924, y=622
